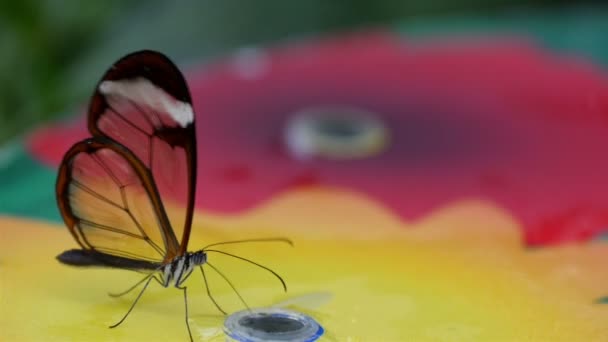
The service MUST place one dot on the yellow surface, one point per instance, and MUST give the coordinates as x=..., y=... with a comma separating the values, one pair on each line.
x=460, y=274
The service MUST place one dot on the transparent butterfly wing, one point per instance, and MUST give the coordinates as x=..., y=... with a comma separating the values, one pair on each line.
x=144, y=104
x=109, y=203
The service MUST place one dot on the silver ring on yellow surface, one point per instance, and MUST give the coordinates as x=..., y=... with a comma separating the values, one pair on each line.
x=271, y=324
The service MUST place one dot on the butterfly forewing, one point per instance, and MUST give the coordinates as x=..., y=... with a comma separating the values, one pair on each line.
x=143, y=103
x=107, y=205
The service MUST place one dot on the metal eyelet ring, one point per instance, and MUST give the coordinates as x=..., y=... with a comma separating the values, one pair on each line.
x=271, y=324
x=335, y=133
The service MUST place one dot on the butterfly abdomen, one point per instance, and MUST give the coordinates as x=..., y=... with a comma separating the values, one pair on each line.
x=88, y=257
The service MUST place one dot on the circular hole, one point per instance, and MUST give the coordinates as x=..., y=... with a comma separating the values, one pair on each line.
x=339, y=128
x=271, y=324
x=335, y=132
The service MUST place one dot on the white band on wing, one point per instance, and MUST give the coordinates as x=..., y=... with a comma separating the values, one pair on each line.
x=141, y=91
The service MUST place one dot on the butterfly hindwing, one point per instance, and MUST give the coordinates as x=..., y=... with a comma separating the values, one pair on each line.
x=110, y=204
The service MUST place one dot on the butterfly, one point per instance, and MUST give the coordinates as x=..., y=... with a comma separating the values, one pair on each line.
x=126, y=194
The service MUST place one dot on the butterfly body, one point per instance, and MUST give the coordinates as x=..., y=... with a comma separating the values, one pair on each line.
x=181, y=267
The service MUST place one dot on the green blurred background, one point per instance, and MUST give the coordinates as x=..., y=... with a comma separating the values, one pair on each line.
x=52, y=51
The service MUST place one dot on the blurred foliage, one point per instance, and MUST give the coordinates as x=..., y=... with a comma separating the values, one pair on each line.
x=37, y=40
x=51, y=51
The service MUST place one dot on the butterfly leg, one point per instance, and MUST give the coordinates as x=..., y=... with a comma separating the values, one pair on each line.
x=135, y=302
x=209, y=292
x=115, y=295
x=229, y=283
x=186, y=306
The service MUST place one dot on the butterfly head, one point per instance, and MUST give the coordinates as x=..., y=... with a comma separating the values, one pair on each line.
x=198, y=257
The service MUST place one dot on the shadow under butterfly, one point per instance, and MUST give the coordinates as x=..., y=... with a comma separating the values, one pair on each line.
x=114, y=189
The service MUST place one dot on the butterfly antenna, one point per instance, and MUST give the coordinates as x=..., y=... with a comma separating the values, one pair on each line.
x=209, y=291
x=251, y=262
x=133, y=305
x=285, y=240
